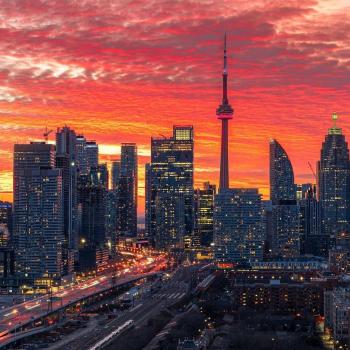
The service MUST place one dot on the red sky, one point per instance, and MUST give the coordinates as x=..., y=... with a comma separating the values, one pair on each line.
x=122, y=71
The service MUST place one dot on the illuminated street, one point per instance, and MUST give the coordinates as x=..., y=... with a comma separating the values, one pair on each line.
x=32, y=310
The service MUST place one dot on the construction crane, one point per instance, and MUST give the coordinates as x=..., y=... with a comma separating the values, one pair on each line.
x=46, y=134
x=312, y=170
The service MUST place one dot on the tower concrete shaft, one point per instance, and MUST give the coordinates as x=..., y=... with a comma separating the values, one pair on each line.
x=224, y=113
x=224, y=171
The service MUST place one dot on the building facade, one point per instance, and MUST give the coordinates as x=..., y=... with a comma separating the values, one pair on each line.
x=127, y=191
x=333, y=172
x=337, y=313
x=66, y=155
x=38, y=211
x=312, y=242
x=6, y=223
x=115, y=174
x=93, y=229
x=285, y=212
x=169, y=188
x=81, y=156
x=39, y=223
x=238, y=226
x=204, y=212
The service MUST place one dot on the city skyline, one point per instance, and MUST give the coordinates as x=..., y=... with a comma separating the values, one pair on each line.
x=175, y=174
x=181, y=82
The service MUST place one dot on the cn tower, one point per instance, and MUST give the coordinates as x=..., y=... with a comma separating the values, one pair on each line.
x=224, y=113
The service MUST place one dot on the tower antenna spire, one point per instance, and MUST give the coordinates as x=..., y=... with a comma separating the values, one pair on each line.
x=334, y=130
x=334, y=118
x=225, y=56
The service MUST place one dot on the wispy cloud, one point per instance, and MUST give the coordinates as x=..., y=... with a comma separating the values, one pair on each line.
x=123, y=71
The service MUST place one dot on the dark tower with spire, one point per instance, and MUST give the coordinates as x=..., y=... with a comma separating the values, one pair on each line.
x=224, y=113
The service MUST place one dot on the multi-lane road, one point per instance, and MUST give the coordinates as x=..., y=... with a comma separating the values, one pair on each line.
x=29, y=311
x=148, y=305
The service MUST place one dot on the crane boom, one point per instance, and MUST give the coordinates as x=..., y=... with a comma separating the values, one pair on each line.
x=46, y=134
x=312, y=170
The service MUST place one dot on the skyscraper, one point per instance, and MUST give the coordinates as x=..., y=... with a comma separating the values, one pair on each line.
x=91, y=154
x=312, y=242
x=204, y=211
x=6, y=219
x=92, y=191
x=224, y=113
x=38, y=212
x=238, y=226
x=268, y=227
x=149, y=204
x=86, y=155
x=99, y=175
x=115, y=173
x=285, y=226
x=127, y=191
x=169, y=188
x=333, y=172
x=111, y=220
x=282, y=186
x=81, y=156
x=66, y=154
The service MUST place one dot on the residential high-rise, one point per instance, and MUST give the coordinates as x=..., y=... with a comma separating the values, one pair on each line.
x=86, y=155
x=282, y=186
x=310, y=218
x=99, y=175
x=127, y=191
x=169, y=188
x=204, y=211
x=81, y=156
x=150, y=218
x=66, y=154
x=333, y=172
x=92, y=191
x=224, y=113
x=7, y=267
x=111, y=220
x=238, y=227
x=66, y=141
x=6, y=220
x=285, y=215
x=115, y=173
x=268, y=227
x=312, y=242
x=91, y=153
x=38, y=211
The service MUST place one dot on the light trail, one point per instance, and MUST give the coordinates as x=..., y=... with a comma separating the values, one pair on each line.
x=11, y=313
x=120, y=329
x=32, y=307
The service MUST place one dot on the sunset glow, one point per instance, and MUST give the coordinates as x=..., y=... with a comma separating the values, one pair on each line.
x=126, y=70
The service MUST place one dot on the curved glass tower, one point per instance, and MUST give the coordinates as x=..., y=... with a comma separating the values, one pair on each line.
x=282, y=185
x=285, y=228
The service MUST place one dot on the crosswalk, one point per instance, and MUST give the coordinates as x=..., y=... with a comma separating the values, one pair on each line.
x=175, y=295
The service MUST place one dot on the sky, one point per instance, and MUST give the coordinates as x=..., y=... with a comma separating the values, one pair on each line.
x=123, y=71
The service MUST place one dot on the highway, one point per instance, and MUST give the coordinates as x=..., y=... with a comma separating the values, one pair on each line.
x=149, y=305
x=21, y=314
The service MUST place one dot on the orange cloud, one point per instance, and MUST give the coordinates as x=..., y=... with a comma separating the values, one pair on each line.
x=117, y=75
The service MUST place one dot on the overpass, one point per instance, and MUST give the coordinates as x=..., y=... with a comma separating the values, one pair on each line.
x=21, y=320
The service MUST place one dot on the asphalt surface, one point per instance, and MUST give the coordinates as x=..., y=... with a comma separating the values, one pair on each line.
x=171, y=292
x=18, y=315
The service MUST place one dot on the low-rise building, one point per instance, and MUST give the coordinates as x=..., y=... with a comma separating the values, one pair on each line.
x=337, y=313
